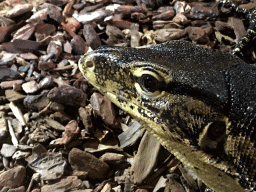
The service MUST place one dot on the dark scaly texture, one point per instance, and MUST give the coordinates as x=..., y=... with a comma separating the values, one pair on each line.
x=250, y=15
x=199, y=103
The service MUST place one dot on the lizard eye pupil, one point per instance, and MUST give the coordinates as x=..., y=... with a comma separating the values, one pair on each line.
x=149, y=83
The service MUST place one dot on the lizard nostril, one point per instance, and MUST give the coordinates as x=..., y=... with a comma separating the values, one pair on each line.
x=89, y=63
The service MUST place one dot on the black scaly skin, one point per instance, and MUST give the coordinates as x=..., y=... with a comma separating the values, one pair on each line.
x=250, y=15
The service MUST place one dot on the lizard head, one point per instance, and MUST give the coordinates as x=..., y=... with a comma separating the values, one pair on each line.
x=177, y=93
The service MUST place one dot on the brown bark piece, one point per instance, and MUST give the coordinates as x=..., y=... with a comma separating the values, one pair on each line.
x=91, y=36
x=104, y=108
x=83, y=161
x=68, y=95
x=146, y=158
x=69, y=183
x=12, y=178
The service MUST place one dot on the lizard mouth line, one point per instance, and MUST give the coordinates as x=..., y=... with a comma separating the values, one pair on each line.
x=113, y=97
x=132, y=107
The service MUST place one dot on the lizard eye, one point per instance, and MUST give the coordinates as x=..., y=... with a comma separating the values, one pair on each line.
x=149, y=83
